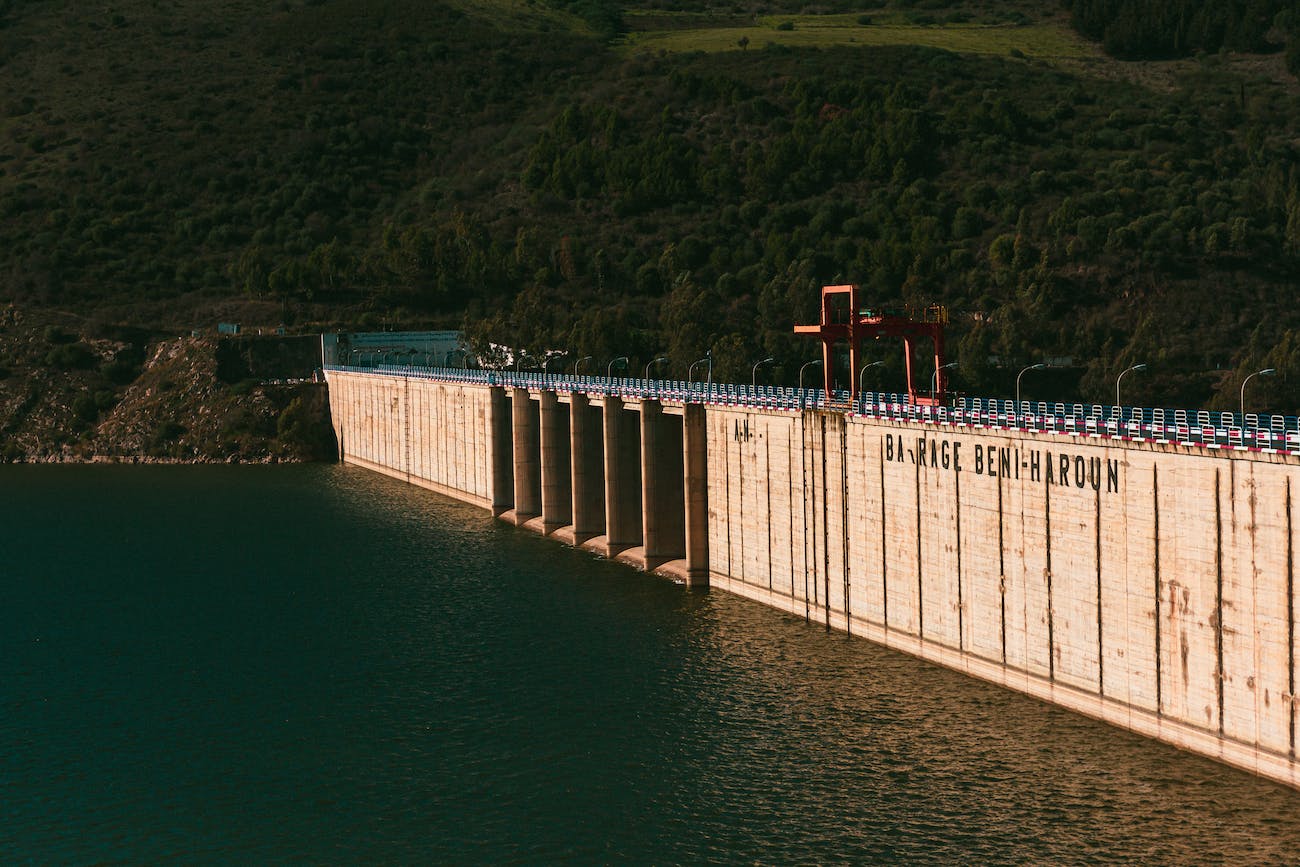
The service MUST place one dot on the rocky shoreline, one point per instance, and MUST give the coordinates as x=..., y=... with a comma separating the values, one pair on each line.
x=72, y=392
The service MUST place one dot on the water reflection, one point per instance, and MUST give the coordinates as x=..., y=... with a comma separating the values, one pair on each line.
x=323, y=664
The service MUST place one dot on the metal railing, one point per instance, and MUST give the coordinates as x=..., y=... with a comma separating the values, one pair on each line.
x=1214, y=430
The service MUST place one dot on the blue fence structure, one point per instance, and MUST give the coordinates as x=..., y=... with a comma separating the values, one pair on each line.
x=1212, y=430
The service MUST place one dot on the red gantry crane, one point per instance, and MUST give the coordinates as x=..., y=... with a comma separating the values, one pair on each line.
x=853, y=323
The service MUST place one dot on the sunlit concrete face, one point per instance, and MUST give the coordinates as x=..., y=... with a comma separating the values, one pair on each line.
x=443, y=436
x=1151, y=586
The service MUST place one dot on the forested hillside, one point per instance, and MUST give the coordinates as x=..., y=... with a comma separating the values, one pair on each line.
x=520, y=167
x=1148, y=29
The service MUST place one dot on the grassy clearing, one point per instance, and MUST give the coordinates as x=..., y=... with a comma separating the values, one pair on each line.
x=1043, y=41
x=514, y=16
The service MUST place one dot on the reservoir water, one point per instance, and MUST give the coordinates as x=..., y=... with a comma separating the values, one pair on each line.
x=318, y=664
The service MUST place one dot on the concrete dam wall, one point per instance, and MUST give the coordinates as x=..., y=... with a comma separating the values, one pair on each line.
x=1148, y=585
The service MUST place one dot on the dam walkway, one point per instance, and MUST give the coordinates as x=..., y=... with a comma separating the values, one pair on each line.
x=1214, y=430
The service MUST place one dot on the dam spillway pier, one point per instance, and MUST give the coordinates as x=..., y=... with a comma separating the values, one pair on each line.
x=1132, y=567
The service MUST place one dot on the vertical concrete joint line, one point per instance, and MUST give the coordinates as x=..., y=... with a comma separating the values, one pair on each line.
x=1290, y=618
x=789, y=499
x=811, y=440
x=803, y=497
x=740, y=498
x=767, y=489
x=1002, y=574
x=1219, y=674
x=884, y=547
x=1051, y=613
x=1101, y=656
x=920, y=590
x=826, y=532
x=1155, y=548
x=961, y=619
x=844, y=521
x=406, y=418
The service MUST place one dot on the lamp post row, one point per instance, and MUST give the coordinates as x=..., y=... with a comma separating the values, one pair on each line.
x=622, y=362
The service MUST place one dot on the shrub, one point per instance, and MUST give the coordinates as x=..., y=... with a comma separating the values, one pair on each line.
x=84, y=407
x=163, y=441
x=55, y=334
x=118, y=371
x=306, y=431
x=785, y=25
x=71, y=356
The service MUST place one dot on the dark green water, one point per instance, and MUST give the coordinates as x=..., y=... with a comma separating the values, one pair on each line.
x=316, y=664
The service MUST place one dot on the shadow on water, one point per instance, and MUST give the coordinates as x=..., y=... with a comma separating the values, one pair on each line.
x=321, y=664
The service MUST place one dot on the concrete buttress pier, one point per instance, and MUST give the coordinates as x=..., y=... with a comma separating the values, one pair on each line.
x=502, y=453
x=526, y=437
x=557, y=473
x=587, y=450
x=662, y=499
x=695, y=461
x=622, y=431
x=1151, y=585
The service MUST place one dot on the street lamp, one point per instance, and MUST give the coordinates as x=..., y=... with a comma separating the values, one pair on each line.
x=579, y=362
x=934, y=379
x=805, y=367
x=651, y=363
x=609, y=371
x=863, y=372
x=1039, y=366
x=753, y=373
x=690, y=371
x=1268, y=371
x=1137, y=367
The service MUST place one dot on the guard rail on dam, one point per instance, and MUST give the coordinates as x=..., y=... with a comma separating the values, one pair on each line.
x=1137, y=566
